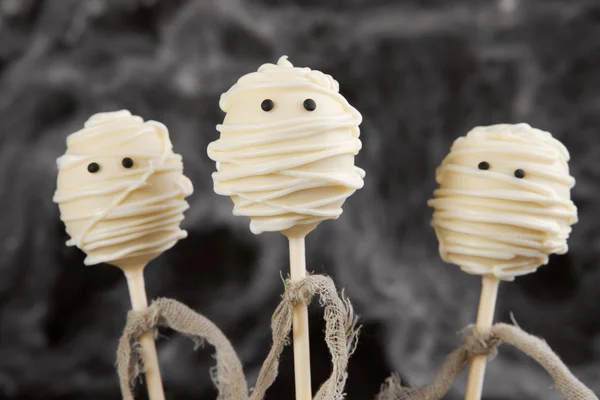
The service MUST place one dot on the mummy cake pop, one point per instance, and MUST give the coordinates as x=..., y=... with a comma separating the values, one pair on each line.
x=286, y=158
x=503, y=205
x=121, y=190
x=287, y=147
x=502, y=208
x=121, y=193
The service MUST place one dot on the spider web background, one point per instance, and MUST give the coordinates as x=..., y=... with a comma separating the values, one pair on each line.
x=421, y=72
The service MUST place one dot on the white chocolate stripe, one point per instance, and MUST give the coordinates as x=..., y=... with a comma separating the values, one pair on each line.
x=523, y=184
x=247, y=169
x=515, y=207
x=140, y=249
x=273, y=134
x=141, y=226
x=310, y=208
x=500, y=194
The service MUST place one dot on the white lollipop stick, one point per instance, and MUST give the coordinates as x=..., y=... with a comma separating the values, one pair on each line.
x=300, y=323
x=139, y=302
x=485, y=318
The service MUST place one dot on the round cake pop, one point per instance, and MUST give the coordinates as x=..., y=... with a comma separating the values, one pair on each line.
x=287, y=147
x=286, y=158
x=121, y=190
x=503, y=205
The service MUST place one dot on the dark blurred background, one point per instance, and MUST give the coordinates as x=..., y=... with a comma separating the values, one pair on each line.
x=421, y=72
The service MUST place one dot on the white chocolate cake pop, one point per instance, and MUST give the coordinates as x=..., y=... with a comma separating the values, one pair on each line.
x=287, y=146
x=121, y=190
x=503, y=204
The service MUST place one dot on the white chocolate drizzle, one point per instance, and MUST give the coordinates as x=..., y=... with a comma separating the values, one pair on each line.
x=263, y=165
x=489, y=222
x=146, y=226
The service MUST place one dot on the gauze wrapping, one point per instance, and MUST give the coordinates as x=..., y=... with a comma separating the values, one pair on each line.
x=490, y=222
x=288, y=167
x=117, y=215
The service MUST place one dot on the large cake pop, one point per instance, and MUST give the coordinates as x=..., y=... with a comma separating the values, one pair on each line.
x=503, y=206
x=121, y=193
x=286, y=158
x=121, y=190
x=287, y=147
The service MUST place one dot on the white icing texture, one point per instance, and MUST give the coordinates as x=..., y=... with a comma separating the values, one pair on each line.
x=490, y=222
x=286, y=167
x=118, y=215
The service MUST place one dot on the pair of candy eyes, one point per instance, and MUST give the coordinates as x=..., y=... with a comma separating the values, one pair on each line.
x=95, y=167
x=268, y=104
x=519, y=173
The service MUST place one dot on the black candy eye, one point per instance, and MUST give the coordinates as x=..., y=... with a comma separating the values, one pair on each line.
x=309, y=105
x=267, y=105
x=93, y=167
x=484, y=165
x=519, y=173
x=127, y=162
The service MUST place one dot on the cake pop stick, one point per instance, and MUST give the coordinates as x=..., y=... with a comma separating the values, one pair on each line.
x=121, y=193
x=286, y=158
x=502, y=207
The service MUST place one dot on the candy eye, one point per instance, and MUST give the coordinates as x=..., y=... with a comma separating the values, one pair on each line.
x=484, y=165
x=267, y=105
x=93, y=167
x=309, y=105
x=127, y=162
x=519, y=173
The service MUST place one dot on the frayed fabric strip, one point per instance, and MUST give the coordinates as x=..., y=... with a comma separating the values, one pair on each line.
x=486, y=343
x=564, y=381
x=341, y=334
x=227, y=374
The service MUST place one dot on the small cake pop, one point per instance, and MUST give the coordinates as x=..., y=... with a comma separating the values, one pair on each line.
x=121, y=192
x=286, y=158
x=502, y=207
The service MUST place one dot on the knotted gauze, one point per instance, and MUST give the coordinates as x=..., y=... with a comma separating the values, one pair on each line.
x=341, y=333
x=485, y=343
x=227, y=375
